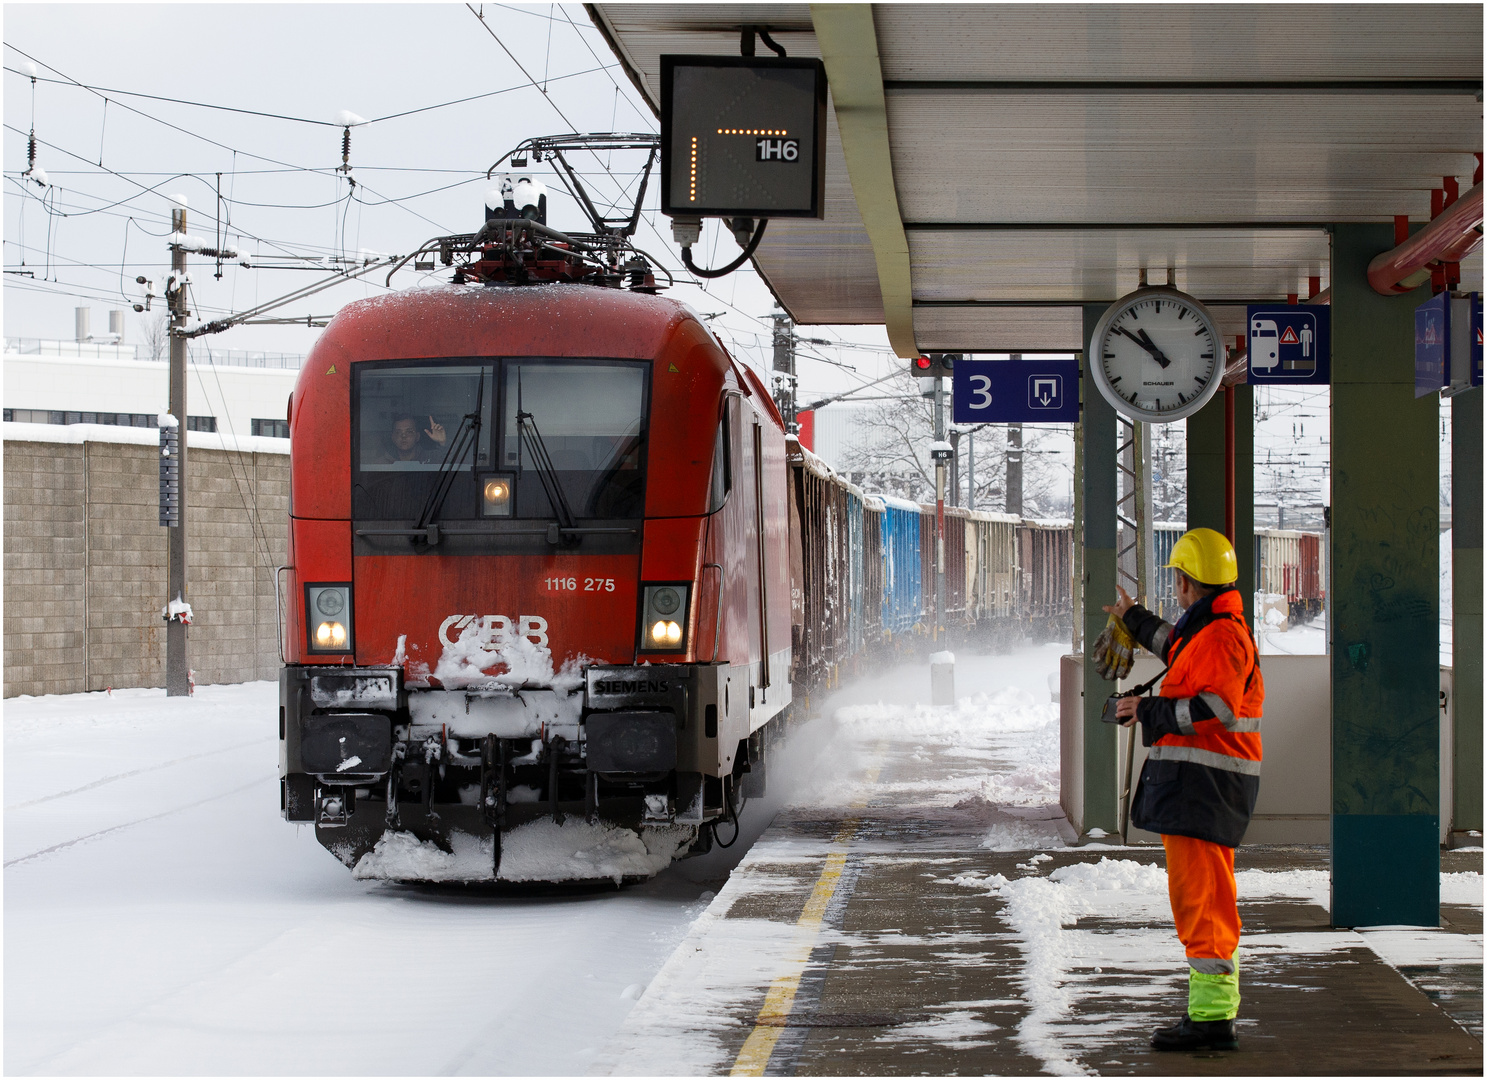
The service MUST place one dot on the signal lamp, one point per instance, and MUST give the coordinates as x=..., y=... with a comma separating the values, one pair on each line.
x=934, y=366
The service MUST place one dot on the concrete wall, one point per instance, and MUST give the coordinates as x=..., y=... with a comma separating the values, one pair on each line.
x=85, y=559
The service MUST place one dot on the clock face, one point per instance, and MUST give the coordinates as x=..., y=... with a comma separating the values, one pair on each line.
x=1156, y=355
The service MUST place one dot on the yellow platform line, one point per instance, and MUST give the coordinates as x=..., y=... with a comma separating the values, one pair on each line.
x=769, y=1024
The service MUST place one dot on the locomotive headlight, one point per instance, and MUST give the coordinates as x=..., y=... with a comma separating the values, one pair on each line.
x=664, y=617
x=328, y=617
x=495, y=497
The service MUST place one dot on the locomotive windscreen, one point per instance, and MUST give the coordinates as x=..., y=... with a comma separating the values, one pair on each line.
x=576, y=426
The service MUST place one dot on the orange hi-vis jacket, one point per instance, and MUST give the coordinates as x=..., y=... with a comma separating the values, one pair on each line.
x=1202, y=771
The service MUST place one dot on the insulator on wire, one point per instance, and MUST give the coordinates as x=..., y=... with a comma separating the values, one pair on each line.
x=31, y=151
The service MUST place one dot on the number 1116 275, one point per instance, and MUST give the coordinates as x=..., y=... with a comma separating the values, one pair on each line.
x=571, y=584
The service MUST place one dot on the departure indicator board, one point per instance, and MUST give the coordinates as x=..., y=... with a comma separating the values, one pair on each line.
x=743, y=136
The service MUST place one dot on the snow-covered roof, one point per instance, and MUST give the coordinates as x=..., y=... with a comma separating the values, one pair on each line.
x=898, y=503
x=135, y=436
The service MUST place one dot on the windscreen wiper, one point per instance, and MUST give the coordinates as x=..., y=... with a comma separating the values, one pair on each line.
x=466, y=436
x=531, y=441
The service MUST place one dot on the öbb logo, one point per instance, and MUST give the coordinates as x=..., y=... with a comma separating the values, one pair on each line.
x=495, y=630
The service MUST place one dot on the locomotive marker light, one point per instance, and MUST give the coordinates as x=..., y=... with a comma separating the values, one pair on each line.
x=664, y=617
x=328, y=615
x=743, y=136
x=496, y=497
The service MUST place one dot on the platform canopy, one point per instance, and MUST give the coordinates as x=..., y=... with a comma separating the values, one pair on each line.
x=993, y=167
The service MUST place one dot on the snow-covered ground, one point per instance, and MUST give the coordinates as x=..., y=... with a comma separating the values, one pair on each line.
x=161, y=918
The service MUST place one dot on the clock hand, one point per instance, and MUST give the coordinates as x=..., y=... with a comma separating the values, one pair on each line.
x=1147, y=344
x=1151, y=347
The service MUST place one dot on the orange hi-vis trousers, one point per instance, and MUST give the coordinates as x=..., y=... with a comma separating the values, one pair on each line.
x=1205, y=906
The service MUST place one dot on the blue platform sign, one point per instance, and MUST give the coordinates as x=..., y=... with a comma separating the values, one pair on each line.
x=1432, y=340
x=1290, y=344
x=1029, y=391
x=1476, y=339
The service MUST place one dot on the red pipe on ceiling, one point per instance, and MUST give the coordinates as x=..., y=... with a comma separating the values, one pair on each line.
x=1453, y=235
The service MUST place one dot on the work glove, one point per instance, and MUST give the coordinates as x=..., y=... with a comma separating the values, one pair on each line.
x=1114, y=651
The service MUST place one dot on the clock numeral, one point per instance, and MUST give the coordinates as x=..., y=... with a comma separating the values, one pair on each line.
x=1200, y=330
x=1184, y=314
x=1206, y=356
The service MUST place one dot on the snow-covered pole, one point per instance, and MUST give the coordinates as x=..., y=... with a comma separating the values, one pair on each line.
x=177, y=669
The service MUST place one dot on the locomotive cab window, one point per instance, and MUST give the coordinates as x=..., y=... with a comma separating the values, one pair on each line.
x=575, y=431
x=564, y=432
x=722, y=475
x=411, y=420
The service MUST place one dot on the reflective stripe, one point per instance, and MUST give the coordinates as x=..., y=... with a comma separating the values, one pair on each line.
x=1184, y=712
x=1199, y=756
x=1243, y=723
x=1221, y=710
x=1159, y=639
x=1210, y=965
x=1216, y=703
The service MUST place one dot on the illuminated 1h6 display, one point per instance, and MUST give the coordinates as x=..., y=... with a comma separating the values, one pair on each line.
x=743, y=136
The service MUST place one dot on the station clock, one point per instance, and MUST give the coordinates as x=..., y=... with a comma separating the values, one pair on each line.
x=1156, y=355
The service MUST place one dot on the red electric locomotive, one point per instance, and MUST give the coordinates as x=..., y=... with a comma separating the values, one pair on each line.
x=539, y=611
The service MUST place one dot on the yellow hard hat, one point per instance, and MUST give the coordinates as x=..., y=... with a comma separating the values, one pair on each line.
x=1205, y=556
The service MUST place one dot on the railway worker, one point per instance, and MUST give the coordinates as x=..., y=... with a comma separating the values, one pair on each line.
x=407, y=440
x=1202, y=772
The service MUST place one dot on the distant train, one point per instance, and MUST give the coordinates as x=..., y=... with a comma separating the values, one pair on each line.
x=863, y=574
x=1288, y=564
x=1293, y=565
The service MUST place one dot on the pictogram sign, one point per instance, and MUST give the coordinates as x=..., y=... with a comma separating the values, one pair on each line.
x=1290, y=344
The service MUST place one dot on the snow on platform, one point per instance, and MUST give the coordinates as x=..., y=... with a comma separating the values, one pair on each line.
x=917, y=909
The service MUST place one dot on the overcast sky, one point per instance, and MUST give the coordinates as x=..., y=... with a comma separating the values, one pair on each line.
x=113, y=159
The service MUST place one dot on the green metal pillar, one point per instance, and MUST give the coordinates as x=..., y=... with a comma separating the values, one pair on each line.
x=1385, y=603
x=1101, y=796
x=1206, y=468
x=1466, y=602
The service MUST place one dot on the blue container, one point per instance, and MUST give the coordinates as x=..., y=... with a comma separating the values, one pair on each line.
x=903, y=592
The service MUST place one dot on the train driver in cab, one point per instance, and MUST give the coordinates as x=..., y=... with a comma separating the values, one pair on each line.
x=409, y=443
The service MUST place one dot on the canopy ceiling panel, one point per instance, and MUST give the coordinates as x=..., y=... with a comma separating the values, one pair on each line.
x=1002, y=329
x=1176, y=157
x=1098, y=266
x=1170, y=41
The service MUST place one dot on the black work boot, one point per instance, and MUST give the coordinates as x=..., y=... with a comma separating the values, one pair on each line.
x=1190, y=1034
